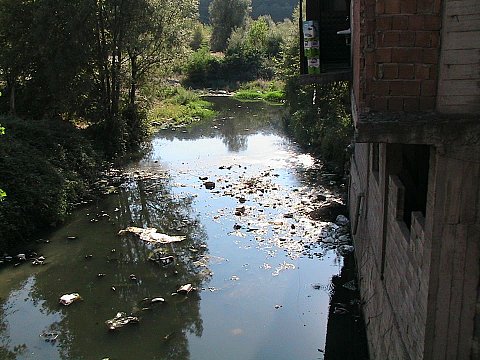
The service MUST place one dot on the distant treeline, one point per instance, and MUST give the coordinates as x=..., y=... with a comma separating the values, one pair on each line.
x=277, y=9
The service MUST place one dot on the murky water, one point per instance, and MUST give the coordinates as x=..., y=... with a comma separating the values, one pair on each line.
x=261, y=273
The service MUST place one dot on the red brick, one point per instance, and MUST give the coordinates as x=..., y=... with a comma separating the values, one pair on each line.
x=384, y=23
x=423, y=39
x=432, y=22
x=407, y=55
x=416, y=22
x=425, y=6
x=369, y=11
x=408, y=6
x=379, y=103
x=407, y=38
x=405, y=88
x=392, y=7
x=395, y=103
x=380, y=7
x=369, y=57
x=422, y=71
x=370, y=71
x=387, y=71
x=430, y=56
x=380, y=88
x=399, y=22
x=383, y=55
x=435, y=39
x=411, y=103
x=406, y=71
x=369, y=26
x=389, y=38
x=427, y=103
x=433, y=71
x=429, y=88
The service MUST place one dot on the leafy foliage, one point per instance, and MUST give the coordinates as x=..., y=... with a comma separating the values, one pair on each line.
x=178, y=106
x=277, y=9
x=225, y=16
x=43, y=178
x=320, y=119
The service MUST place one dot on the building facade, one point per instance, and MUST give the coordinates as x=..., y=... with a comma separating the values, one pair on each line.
x=414, y=193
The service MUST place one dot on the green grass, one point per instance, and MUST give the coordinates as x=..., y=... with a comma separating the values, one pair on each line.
x=270, y=91
x=179, y=107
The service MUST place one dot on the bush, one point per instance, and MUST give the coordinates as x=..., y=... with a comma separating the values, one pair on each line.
x=45, y=166
x=202, y=66
x=319, y=118
x=179, y=106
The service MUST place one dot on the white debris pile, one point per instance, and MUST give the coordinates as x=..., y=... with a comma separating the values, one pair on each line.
x=150, y=235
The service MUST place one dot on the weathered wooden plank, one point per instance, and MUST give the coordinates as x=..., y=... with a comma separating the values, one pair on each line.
x=456, y=40
x=442, y=308
x=456, y=298
x=468, y=190
x=464, y=100
x=460, y=87
x=461, y=56
x=461, y=72
x=462, y=23
x=459, y=109
x=470, y=285
x=462, y=7
x=452, y=195
x=437, y=131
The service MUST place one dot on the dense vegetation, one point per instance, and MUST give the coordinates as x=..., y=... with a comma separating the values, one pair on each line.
x=84, y=83
x=277, y=9
x=46, y=166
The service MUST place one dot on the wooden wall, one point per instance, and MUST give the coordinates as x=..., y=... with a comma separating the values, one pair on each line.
x=459, y=77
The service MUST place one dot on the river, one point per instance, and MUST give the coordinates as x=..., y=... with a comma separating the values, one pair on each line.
x=242, y=195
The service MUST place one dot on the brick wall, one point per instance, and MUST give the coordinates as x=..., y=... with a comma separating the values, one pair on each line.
x=397, y=54
x=393, y=261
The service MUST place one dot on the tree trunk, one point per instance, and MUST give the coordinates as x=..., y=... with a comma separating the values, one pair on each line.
x=11, y=84
x=133, y=80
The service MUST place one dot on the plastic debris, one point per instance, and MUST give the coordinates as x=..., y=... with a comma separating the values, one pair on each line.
x=50, y=336
x=209, y=185
x=67, y=299
x=120, y=320
x=150, y=235
x=157, y=300
x=22, y=257
x=185, y=289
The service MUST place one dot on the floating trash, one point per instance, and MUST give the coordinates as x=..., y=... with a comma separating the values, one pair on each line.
x=185, y=289
x=67, y=299
x=49, y=336
x=150, y=235
x=120, y=320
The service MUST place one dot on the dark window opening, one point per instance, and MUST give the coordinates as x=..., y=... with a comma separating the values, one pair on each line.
x=414, y=176
x=331, y=16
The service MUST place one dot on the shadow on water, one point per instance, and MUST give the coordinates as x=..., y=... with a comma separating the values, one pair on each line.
x=100, y=265
x=257, y=248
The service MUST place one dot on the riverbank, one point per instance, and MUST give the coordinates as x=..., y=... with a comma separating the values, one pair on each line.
x=47, y=167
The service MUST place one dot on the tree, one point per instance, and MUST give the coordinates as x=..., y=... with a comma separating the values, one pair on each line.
x=225, y=16
x=2, y=131
x=132, y=38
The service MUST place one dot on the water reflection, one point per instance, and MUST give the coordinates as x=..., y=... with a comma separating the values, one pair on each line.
x=252, y=250
x=75, y=265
